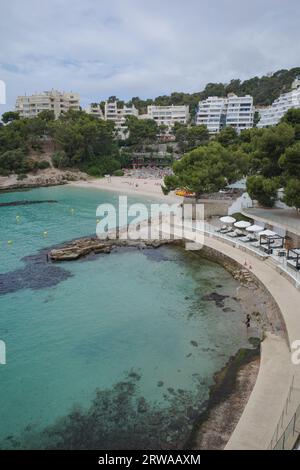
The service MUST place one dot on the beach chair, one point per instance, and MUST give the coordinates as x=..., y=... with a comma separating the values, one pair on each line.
x=224, y=227
x=235, y=234
x=247, y=239
x=228, y=230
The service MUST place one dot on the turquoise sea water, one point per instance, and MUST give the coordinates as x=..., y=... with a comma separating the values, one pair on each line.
x=111, y=351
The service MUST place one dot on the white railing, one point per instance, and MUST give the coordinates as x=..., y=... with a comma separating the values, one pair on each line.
x=279, y=262
x=277, y=436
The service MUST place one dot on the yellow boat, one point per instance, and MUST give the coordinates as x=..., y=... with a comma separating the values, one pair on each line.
x=184, y=193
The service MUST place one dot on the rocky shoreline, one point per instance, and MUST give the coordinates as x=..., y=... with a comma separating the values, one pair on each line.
x=262, y=308
x=227, y=399
x=26, y=203
x=43, y=178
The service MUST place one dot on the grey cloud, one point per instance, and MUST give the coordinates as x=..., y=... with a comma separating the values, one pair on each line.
x=137, y=47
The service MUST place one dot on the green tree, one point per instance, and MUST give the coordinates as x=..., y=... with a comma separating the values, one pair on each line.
x=162, y=129
x=270, y=144
x=60, y=159
x=191, y=137
x=86, y=142
x=292, y=116
x=292, y=193
x=205, y=169
x=227, y=136
x=14, y=161
x=264, y=190
x=290, y=161
x=141, y=131
x=264, y=90
x=46, y=115
x=10, y=116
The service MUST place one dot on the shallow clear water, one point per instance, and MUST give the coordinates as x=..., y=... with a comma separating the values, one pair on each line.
x=133, y=319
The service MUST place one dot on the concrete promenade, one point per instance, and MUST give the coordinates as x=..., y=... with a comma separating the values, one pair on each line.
x=263, y=412
x=261, y=415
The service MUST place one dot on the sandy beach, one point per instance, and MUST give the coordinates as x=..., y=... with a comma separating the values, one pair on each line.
x=147, y=187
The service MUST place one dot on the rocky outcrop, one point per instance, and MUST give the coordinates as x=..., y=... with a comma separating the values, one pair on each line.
x=244, y=277
x=84, y=246
x=26, y=203
x=49, y=177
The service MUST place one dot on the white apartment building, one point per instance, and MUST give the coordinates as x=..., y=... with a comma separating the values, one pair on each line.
x=118, y=115
x=168, y=115
x=56, y=101
x=210, y=113
x=271, y=115
x=235, y=111
x=95, y=110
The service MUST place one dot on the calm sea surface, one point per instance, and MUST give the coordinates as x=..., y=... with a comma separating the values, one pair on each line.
x=113, y=351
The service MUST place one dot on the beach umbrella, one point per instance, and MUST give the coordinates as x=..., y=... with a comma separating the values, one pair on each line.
x=267, y=233
x=227, y=219
x=254, y=228
x=242, y=224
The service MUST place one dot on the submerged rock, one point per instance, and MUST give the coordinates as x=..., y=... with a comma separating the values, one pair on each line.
x=134, y=375
x=214, y=296
x=228, y=309
x=26, y=203
x=142, y=405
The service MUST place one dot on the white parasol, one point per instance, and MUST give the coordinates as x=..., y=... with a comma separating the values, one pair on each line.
x=227, y=219
x=254, y=228
x=242, y=224
x=267, y=233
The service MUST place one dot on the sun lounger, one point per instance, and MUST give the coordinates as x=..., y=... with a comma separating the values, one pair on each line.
x=224, y=227
x=266, y=249
x=235, y=233
x=247, y=239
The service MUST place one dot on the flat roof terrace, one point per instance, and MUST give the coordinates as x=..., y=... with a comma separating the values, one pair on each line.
x=288, y=219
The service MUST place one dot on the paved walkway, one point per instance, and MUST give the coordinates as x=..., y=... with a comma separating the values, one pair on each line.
x=256, y=426
x=263, y=412
x=261, y=415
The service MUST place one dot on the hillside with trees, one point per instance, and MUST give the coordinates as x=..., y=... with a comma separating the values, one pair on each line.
x=79, y=140
x=270, y=158
x=264, y=90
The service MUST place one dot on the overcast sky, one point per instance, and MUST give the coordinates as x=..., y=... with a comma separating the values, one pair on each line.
x=142, y=47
